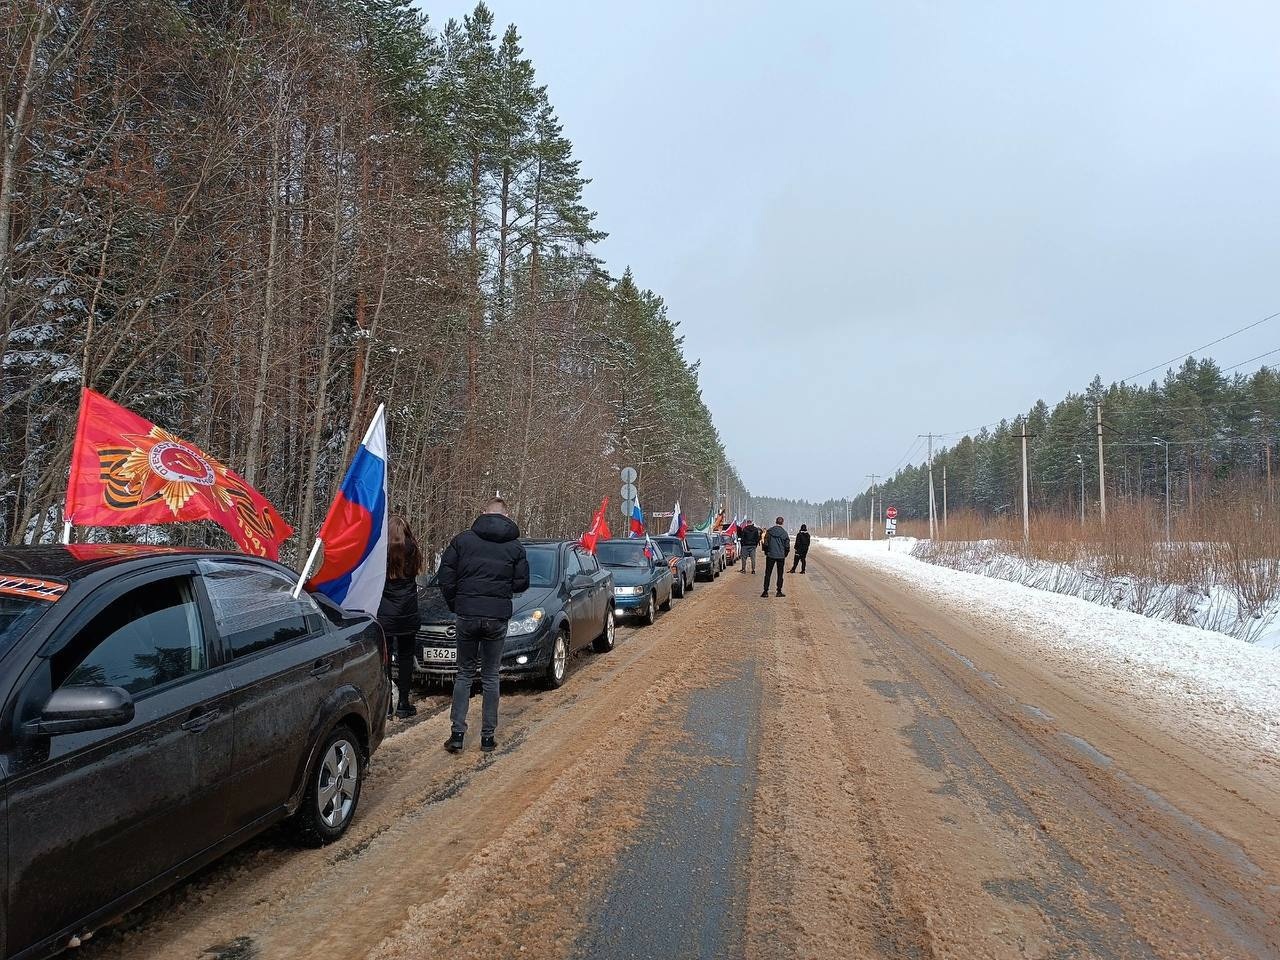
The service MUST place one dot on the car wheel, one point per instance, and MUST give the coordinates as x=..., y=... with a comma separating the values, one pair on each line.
x=688, y=584
x=667, y=606
x=651, y=611
x=333, y=788
x=558, y=668
x=604, y=642
x=677, y=589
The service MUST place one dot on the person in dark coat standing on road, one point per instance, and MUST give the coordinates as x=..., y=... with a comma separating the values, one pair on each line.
x=777, y=544
x=482, y=568
x=802, y=549
x=398, y=612
x=748, y=540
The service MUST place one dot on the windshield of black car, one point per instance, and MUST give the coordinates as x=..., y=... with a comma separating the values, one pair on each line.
x=670, y=548
x=698, y=541
x=542, y=565
x=23, y=601
x=622, y=554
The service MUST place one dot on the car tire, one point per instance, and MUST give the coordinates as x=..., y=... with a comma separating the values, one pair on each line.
x=667, y=606
x=558, y=667
x=677, y=589
x=651, y=611
x=688, y=584
x=333, y=793
x=604, y=642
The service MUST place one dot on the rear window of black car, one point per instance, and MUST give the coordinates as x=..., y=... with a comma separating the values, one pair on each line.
x=698, y=540
x=254, y=608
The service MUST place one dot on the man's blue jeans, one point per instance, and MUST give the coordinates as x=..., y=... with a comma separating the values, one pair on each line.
x=479, y=650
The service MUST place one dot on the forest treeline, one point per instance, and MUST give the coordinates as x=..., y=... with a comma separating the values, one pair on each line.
x=252, y=222
x=1221, y=430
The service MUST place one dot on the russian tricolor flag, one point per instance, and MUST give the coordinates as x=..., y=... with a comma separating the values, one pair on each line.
x=354, y=533
x=637, y=520
x=678, y=527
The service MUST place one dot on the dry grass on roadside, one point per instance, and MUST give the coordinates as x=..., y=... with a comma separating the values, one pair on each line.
x=1220, y=568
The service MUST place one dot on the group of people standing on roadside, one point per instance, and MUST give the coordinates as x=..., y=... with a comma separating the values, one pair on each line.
x=777, y=545
x=480, y=571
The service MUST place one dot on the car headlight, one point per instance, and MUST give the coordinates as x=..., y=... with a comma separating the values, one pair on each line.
x=526, y=624
x=628, y=591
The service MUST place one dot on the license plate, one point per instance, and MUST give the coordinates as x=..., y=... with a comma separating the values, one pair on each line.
x=440, y=654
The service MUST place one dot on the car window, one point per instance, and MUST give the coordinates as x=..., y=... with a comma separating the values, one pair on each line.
x=150, y=636
x=542, y=565
x=698, y=540
x=572, y=565
x=254, y=608
x=23, y=601
x=622, y=553
x=588, y=562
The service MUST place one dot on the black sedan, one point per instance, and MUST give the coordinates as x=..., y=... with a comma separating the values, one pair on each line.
x=707, y=555
x=160, y=708
x=569, y=605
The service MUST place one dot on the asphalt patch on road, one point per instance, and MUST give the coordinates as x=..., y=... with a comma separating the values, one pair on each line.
x=680, y=890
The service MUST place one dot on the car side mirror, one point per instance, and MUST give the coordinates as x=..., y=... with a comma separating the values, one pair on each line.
x=76, y=709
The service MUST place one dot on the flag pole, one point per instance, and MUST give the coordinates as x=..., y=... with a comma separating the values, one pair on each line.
x=66, y=531
x=306, y=568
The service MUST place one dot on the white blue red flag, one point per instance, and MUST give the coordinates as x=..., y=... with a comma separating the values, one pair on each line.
x=637, y=520
x=678, y=526
x=354, y=533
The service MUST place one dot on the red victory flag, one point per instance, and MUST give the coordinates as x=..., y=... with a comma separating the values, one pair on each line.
x=599, y=529
x=126, y=470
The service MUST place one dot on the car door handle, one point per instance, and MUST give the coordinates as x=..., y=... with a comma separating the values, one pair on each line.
x=200, y=722
x=322, y=667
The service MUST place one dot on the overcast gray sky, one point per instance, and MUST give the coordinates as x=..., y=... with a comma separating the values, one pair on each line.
x=874, y=220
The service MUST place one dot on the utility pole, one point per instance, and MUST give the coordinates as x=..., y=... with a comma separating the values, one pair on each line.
x=944, y=500
x=871, y=508
x=1026, y=498
x=1080, y=460
x=1165, y=444
x=1102, y=471
x=846, y=518
x=933, y=508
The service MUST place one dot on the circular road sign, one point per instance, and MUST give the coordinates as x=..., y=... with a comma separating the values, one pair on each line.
x=891, y=513
x=629, y=474
x=626, y=507
x=628, y=491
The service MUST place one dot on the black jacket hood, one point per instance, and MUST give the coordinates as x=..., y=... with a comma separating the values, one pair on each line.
x=495, y=528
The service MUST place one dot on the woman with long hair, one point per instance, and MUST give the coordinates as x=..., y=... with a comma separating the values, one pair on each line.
x=398, y=611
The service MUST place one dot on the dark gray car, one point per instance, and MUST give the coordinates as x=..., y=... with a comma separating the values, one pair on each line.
x=160, y=708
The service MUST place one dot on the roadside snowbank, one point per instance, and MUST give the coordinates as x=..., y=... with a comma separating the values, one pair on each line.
x=1211, y=602
x=1222, y=675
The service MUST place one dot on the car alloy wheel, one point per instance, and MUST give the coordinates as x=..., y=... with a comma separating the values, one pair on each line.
x=651, y=614
x=604, y=642
x=337, y=783
x=559, y=660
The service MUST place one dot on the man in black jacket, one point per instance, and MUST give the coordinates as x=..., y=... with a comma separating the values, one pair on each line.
x=802, y=549
x=748, y=540
x=480, y=571
x=777, y=544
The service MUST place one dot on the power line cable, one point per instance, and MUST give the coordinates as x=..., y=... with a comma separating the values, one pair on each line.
x=1212, y=343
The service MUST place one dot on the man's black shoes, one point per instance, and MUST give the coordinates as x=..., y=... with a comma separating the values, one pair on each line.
x=765, y=594
x=779, y=594
x=488, y=744
x=405, y=710
x=454, y=743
